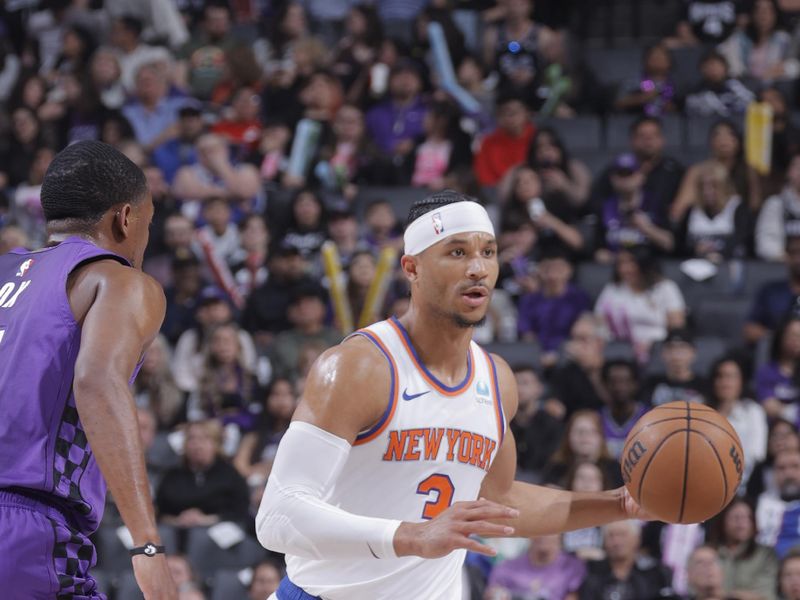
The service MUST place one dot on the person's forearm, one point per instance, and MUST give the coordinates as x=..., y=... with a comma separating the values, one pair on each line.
x=568, y=234
x=660, y=237
x=108, y=415
x=546, y=511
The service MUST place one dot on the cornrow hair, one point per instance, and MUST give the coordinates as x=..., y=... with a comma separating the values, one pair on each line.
x=434, y=201
x=87, y=179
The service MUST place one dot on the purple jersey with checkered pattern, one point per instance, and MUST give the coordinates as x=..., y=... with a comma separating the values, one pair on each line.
x=43, y=448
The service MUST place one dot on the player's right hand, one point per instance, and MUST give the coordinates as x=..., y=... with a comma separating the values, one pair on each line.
x=451, y=530
x=154, y=578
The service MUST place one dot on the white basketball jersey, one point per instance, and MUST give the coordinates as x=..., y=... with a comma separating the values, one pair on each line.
x=432, y=447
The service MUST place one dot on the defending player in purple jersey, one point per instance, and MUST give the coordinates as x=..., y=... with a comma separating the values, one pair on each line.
x=75, y=320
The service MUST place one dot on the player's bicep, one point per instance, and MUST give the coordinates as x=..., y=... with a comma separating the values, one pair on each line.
x=122, y=320
x=497, y=484
x=347, y=390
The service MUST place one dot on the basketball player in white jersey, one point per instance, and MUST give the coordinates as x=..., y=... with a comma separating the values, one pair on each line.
x=400, y=449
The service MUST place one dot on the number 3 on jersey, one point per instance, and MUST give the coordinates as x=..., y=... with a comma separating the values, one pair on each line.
x=444, y=488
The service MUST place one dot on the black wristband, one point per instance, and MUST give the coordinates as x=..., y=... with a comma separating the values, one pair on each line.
x=149, y=549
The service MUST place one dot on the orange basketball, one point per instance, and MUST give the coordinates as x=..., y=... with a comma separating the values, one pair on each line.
x=682, y=462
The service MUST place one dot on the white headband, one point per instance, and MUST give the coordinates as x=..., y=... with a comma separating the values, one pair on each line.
x=434, y=226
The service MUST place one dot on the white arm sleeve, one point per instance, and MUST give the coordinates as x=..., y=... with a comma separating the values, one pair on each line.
x=295, y=519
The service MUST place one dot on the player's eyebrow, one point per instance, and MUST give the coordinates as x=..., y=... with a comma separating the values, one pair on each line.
x=461, y=241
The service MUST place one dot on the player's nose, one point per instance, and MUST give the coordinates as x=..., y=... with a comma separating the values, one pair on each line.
x=477, y=268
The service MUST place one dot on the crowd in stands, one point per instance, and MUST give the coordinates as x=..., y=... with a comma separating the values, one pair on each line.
x=643, y=259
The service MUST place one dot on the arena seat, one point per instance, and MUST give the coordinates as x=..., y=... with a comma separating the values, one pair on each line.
x=757, y=273
x=619, y=350
x=227, y=585
x=686, y=68
x=583, y=132
x=207, y=557
x=695, y=292
x=722, y=318
x=592, y=277
x=516, y=353
x=613, y=66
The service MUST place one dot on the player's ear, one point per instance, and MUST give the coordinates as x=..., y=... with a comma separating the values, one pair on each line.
x=122, y=220
x=409, y=265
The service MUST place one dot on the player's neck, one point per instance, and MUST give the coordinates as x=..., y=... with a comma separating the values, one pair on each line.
x=441, y=348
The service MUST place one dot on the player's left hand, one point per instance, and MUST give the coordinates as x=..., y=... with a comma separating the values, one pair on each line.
x=632, y=509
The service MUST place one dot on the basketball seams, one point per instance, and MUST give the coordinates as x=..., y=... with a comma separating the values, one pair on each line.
x=685, y=461
x=646, y=465
x=636, y=433
x=721, y=467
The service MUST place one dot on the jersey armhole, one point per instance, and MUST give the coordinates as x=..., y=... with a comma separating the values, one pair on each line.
x=374, y=431
x=498, y=401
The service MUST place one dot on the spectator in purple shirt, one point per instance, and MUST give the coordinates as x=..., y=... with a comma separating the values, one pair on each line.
x=545, y=572
x=623, y=409
x=631, y=216
x=397, y=123
x=548, y=314
x=776, y=382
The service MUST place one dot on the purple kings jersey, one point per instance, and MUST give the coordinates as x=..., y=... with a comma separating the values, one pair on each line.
x=43, y=448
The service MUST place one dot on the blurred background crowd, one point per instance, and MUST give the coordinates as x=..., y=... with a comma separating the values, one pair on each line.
x=645, y=256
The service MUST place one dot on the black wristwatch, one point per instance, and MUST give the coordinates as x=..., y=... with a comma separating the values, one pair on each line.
x=149, y=549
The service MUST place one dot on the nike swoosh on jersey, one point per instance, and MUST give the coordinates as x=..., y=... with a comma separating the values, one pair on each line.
x=407, y=396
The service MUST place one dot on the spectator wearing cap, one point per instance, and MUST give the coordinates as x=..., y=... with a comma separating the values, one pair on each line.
x=630, y=216
x=776, y=382
x=126, y=32
x=775, y=300
x=266, y=311
x=213, y=309
x=153, y=111
x=507, y=146
x=548, y=314
x=662, y=173
x=307, y=311
x=398, y=122
x=679, y=382
x=180, y=151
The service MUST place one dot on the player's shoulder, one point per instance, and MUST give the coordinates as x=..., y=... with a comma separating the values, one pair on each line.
x=110, y=280
x=355, y=360
x=347, y=388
